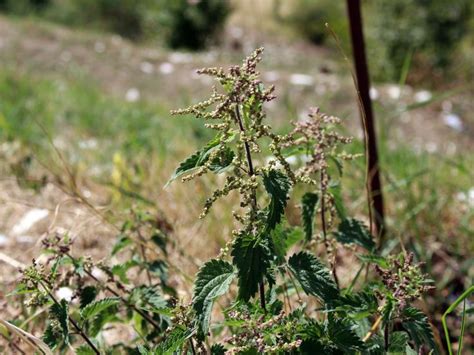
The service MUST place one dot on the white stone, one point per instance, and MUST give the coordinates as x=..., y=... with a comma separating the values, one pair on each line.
x=301, y=79
x=374, y=93
x=423, y=96
x=3, y=240
x=394, y=92
x=166, y=68
x=179, y=57
x=65, y=293
x=271, y=76
x=88, y=144
x=99, y=47
x=132, y=95
x=29, y=220
x=146, y=67
x=452, y=120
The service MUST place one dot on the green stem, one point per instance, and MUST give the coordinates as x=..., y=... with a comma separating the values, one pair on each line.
x=451, y=309
x=251, y=172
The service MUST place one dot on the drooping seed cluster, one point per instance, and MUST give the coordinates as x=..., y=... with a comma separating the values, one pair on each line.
x=405, y=280
x=318, y=135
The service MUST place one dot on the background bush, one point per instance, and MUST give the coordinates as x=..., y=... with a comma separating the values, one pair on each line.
x=179, y=23
x=308, y=18
x=192, y=24
x=430, y=29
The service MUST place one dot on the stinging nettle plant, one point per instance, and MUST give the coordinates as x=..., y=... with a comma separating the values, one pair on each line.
x=282, y=279
x=280, y=321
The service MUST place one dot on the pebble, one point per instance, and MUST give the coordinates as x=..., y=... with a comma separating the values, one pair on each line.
x=132, y=95
x=29, y=220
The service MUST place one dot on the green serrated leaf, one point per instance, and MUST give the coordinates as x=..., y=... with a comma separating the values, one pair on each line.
x=143, y=350
x=252, y=256
x=374, y=259
x=342, y=334
x=358, y=305
x=96, y=307
x=173, y=342
x=122, y=242
x=198, y=159
x=417, y=325
x=87, y=295
x=50, y=337
x=147, y=297
x=308, y=203
x=353, y=231
x=335, y=191
x=217, y=349
x=284, y=238
x=84, y=350
x=397, y=343
x=59, y=312
x=120, y=270
x=277, y=184
x=222, y=162
x=213, y=280
x=314, y=277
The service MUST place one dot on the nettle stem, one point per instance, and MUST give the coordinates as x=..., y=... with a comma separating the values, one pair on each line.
x=123, y=300
x=324, y=227
x=251, y=172
x=72, y=321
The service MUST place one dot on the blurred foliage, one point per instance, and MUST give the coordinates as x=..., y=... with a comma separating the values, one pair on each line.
x=308, y=18
x=180, y=24
x=191, y=24
x=431, y=30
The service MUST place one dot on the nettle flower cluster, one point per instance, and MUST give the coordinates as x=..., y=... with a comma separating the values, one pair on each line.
x=239, y=118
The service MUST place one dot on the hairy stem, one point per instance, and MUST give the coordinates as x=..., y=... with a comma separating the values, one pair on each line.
x=323, y=223
x=251, y=172
x=123, y=300
x=72, y=321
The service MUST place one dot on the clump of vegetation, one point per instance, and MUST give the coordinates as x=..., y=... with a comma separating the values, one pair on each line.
x=192, y=24
x=308, y=18
x=276, y=283
x=428, y=31
x=180, y=23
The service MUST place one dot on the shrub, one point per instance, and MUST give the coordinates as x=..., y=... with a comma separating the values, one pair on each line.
x=308, y=18
x=192, y=24
x=283, y=294
x=181, y=23
x=432, y=30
